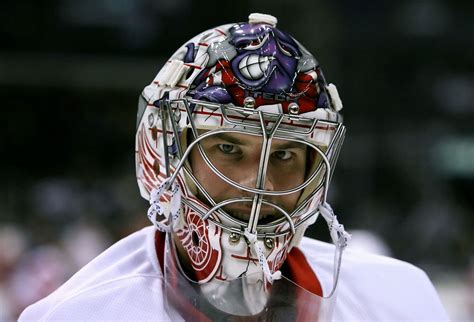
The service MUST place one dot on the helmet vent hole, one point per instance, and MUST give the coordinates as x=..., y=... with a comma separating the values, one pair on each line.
x=195, y=238
x=151, y=119
x=189, y=73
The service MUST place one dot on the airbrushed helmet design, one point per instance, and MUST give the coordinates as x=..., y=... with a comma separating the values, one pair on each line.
x=253, y=80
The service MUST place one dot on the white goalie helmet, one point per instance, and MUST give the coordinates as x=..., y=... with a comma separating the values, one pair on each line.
x=237, y=137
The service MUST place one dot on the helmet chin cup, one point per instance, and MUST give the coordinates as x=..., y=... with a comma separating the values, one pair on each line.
x=246, y=296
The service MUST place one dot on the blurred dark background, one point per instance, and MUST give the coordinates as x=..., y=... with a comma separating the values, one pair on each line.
x=71, y=72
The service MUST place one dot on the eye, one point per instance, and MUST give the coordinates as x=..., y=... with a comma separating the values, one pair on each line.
x=285, y=50
x=228, y=148
x=256, y=43
x=282, y=155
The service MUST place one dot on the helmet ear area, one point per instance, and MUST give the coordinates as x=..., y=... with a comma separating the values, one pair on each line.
x=185, y=138
x=149, y=143
x=314, y=160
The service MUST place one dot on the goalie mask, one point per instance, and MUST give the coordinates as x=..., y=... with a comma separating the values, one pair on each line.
x=236, y=140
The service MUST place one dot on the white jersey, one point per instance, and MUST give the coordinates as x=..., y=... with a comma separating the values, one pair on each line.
x=125, y=283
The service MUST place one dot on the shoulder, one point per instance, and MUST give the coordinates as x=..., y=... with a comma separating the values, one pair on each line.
x=375, y=287
x=120, y=282
x=320, y=255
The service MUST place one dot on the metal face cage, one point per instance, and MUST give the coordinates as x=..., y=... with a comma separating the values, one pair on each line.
x=206, y=119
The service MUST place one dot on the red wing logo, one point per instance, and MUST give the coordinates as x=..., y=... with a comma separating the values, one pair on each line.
x=201, y=240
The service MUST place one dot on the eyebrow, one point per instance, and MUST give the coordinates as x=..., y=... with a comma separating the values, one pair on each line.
x=227, y=137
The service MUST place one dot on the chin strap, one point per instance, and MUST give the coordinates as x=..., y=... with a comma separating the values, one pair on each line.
x=340, y=239
x=339, y=236
x=168, y=210
x=258, y=249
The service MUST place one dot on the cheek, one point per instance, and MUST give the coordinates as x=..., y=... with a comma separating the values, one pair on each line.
x=288, y=63
x=289, y=201
x=286, y=176
x=291, y=180
x=209, y=180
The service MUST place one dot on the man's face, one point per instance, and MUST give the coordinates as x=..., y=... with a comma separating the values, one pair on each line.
x=237, y=156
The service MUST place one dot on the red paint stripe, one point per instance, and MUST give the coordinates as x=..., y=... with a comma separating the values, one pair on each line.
x=147, y=146
x=147, y=185
x=220, y=31
x=248, y=257
x=193, y=66
x=161, y=131
x=149, y=176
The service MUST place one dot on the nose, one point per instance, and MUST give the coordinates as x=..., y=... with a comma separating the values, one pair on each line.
x=270, y=47
x=250, y=174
